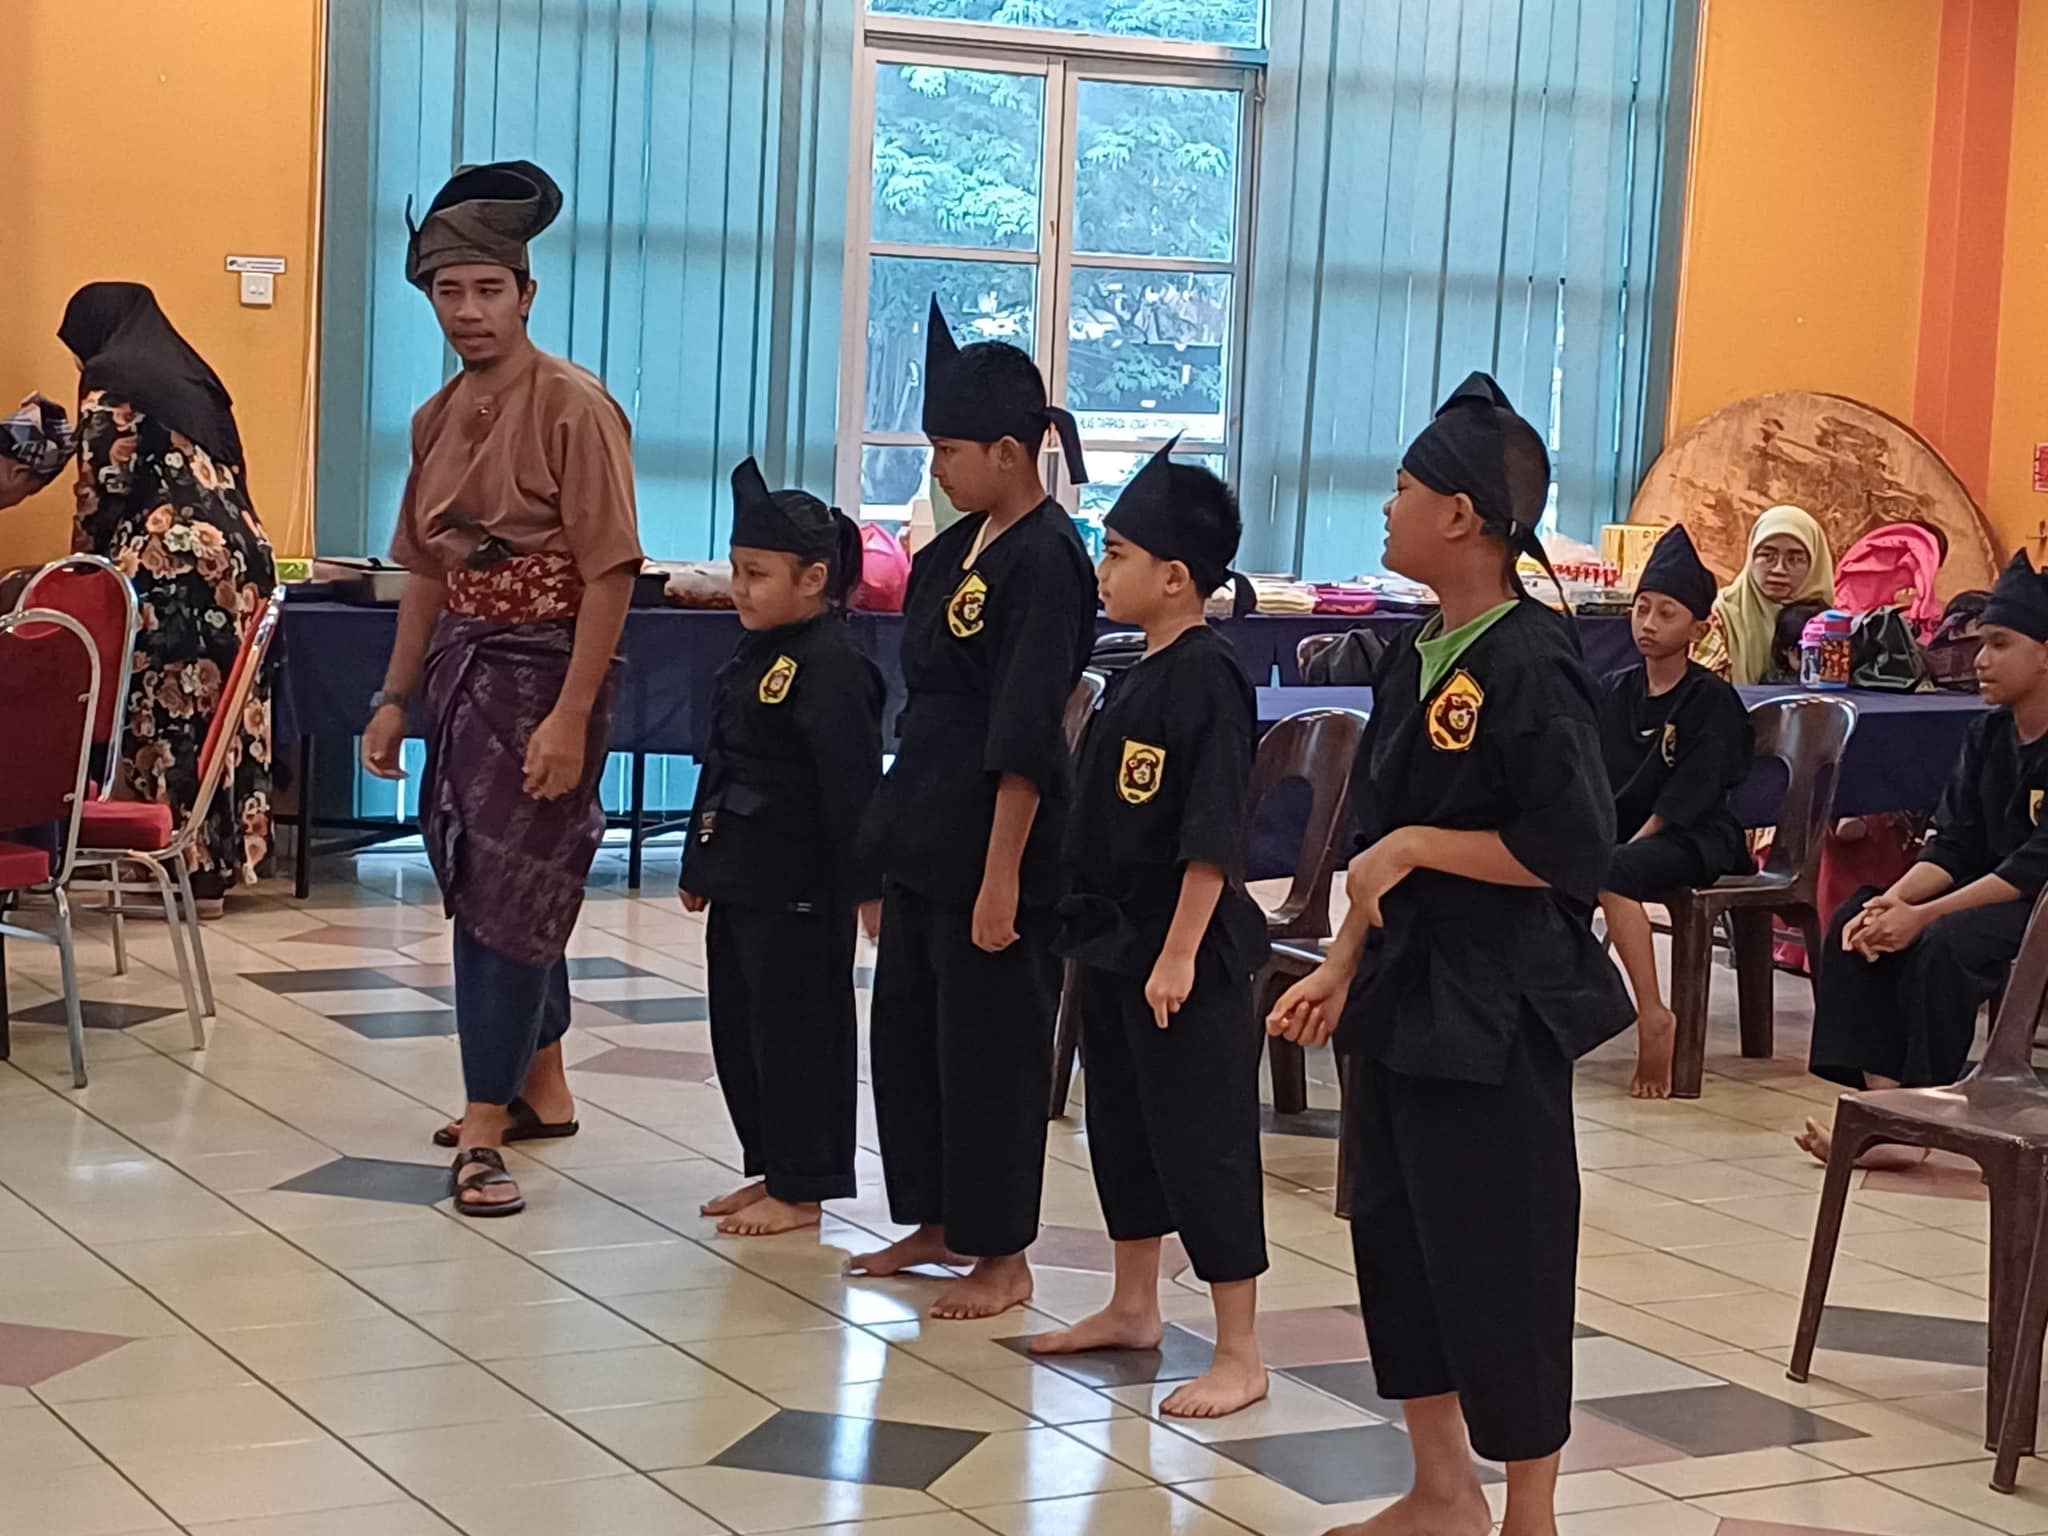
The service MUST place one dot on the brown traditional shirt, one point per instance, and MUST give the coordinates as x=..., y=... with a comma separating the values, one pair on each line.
x=544, y=464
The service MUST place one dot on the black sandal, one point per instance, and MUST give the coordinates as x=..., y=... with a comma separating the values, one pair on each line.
x=526, y=1126
x=493, y=1163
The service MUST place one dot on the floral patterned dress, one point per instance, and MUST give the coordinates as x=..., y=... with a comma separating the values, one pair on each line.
x=157, y=505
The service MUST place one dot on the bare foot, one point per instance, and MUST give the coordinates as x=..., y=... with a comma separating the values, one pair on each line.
x=1656, y=1034
x=766, y=1217
x=1228, y=1385
x=993, y=1286
x=927, y=1245
x=1107, y=1329
x=1467, y=1515
x=1817, y=1142
x=738, y=1200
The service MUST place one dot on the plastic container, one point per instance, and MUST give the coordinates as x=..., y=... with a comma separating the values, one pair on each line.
x=1824, y=650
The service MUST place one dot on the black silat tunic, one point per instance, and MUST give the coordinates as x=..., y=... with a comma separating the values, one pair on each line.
x=1161, y=784
x=794, y=758
x=989, y=658
x=1678, y=756
x=1911, y=1017
x=1507, y=742
x=1173, y=1114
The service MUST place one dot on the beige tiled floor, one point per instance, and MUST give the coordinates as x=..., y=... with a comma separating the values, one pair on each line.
x=306, y=1364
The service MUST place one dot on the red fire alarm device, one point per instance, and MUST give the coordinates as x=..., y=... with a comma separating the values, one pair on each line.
x=2041, y=466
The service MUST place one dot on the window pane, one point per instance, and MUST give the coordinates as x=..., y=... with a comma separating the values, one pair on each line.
x=1148, y=353
x=983, y=300
x=1157, y=171
x=957, y=157
x=891, y=479
x=1110, y=472
x=1234, y=23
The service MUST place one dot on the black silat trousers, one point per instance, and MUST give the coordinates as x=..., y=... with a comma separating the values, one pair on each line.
x=960, y=1048
x=1173, y=1119
x=1465, y=1231
x=784, y=1038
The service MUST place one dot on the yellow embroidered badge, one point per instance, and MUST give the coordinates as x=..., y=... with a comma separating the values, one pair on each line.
x=1453, y=718
x=1143, y=770
x=966, y=610
x=776, y=680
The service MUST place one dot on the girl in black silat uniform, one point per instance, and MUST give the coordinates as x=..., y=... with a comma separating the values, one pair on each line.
x=795, y=754
x=997, y=625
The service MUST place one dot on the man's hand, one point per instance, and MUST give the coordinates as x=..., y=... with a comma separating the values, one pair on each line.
x=1891, y=930
x=871, y=920
x=554, y=756
x=1308, y=1011
x=1172, y=979
x=383, y=738
x=692, y=902
x=995, y=914
x=1876, y=907
x=1377, y=871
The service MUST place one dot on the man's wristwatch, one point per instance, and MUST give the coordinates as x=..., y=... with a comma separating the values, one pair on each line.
x=385, y=696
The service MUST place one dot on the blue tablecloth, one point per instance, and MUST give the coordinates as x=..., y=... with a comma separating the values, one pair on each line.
x=1898, y=759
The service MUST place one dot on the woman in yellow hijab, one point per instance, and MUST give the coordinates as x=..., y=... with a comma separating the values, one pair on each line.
x=1789, y=562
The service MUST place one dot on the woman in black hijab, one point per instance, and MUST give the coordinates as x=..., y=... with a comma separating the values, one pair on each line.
x=162, y=492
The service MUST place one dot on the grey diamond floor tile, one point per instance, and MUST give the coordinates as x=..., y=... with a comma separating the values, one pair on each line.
x=373, y=1178
x=1718, y=1421
x=1335, y=1466
x=680, y=1009
x=407, y=1024
x=1903, y=1336
x=850, y=1450
x=98, y=1015
x=601, y=968
x=345, y=978
x=1181, y=1356
x=1352, y=1381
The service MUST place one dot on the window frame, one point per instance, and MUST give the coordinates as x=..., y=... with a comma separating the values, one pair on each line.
x=1065, y=61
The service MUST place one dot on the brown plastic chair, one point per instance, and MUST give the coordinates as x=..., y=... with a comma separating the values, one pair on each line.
x=1808, y=734
x=1317, y=746
x=1997, y=1117
x=1309, y=647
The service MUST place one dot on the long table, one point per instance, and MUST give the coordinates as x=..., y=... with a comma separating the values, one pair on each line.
x=333, y=657
x=1898, y=758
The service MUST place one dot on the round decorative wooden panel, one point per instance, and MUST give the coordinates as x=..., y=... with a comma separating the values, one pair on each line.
x=1854, y=468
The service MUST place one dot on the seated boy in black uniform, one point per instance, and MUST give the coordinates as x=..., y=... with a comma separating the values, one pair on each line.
x=795, y=754
x=997, y=624
x=1677, y=742
x=1488, y=823
x=1904, y=971
x=1167, y=939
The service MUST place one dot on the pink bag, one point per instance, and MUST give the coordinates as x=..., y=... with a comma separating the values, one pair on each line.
x=1893, y=567
x=884, y=571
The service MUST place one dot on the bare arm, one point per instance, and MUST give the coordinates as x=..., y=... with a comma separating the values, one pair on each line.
x=995, y=909
x=1173, y=973
x=1924, y=882
x=418, y=607
x=1649, y=830
x=599, y=623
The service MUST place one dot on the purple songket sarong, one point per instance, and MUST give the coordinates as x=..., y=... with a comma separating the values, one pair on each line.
x=511, y=868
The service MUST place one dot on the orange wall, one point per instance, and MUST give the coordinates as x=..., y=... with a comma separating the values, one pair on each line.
x=1807, y=207
x=2020, y=416
x=149, y=146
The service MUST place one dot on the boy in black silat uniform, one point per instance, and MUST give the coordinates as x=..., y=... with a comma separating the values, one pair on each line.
x=1488, y=825
x=1168, y=940
x=997, y=624
x=1678, y=743
x=795, y=754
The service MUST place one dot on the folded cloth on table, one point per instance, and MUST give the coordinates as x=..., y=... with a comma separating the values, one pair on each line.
x=1284, y=596
x=701, y=584
x=1346, y=598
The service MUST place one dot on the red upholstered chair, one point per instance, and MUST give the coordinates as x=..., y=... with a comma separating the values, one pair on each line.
x=119, y=833
x=49, y=697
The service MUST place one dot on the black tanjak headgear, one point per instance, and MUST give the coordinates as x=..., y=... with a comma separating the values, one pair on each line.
x=1181, y=512
x=2020, y=600
x=1465, y=450
x=1675, y=569
x=485, y=214
x=978, y=395
x=795, y=523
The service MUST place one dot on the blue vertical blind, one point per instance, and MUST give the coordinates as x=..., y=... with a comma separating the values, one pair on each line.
x=701, y=148
x=1448, y=185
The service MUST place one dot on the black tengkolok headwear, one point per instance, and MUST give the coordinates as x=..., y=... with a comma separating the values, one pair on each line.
x=1675, y=569
x=2020, y=600
x=485, y=214
x=1464, y=451
x=980, y=394
x=1180, y=512
x=796, y=523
